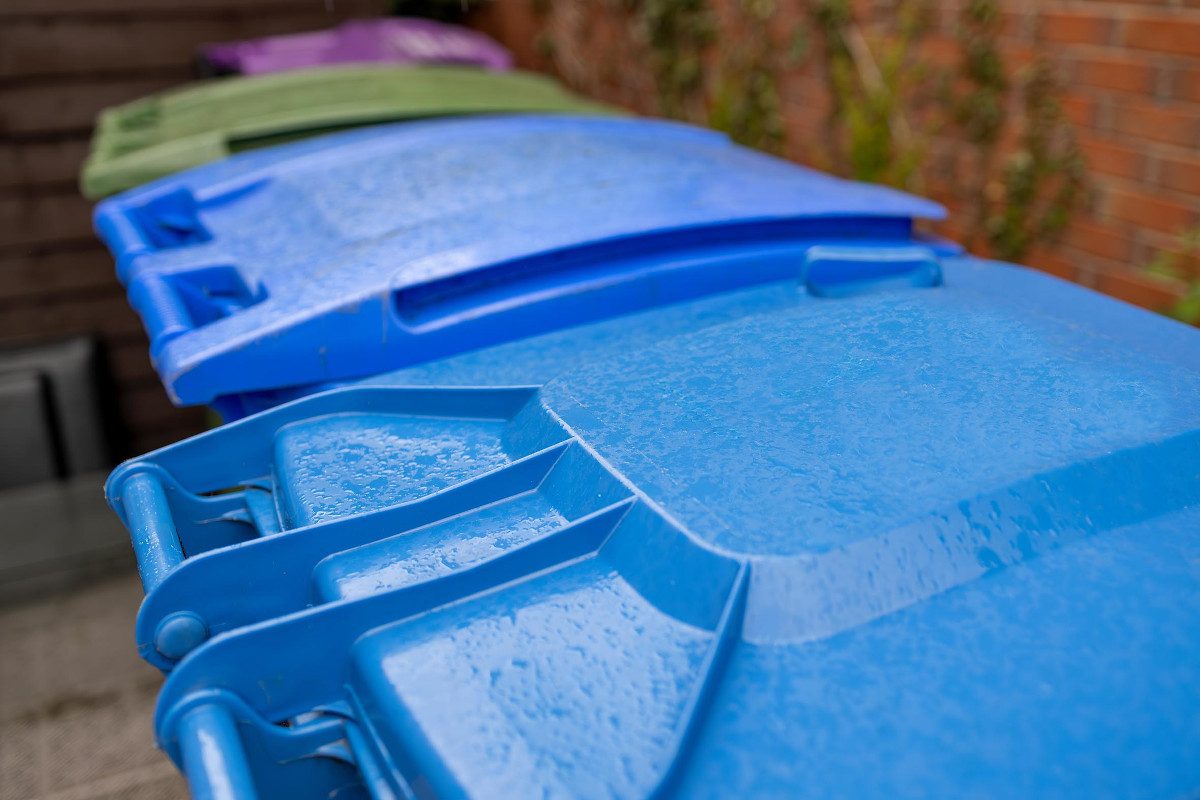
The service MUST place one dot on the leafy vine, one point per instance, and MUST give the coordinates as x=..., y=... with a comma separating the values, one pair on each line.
x=1182, y=266
x=676, y=32
x=979, y=110
x=1045, y=179
x=885, y=105
x=873, y=86
x=745, y=102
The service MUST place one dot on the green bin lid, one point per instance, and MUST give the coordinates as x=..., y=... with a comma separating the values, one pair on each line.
x=175, y=130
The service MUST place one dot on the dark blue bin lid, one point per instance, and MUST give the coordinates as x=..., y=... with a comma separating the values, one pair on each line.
x=366, y=251
x=932, y=531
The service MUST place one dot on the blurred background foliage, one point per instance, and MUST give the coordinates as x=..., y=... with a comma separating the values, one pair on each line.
x=1182, y=265
x=721, y=62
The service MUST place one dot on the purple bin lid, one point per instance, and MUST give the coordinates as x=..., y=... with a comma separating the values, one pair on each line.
x=395, y=40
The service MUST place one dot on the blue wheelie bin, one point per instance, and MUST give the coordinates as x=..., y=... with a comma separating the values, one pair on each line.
x=281, y=271
x=884, y=521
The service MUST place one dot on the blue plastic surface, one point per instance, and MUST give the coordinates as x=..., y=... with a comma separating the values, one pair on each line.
x=906, y=528
x=370, y=250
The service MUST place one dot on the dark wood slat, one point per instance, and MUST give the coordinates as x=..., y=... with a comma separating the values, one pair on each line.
x=55, y=8
x=129, y=360
x=61, y=63
x=104, y=313
x=32, y=220
x=191, y=422
x=149, y=407
x=72, y=106
x=35, y=164
x=30, y=277
x=65, y=45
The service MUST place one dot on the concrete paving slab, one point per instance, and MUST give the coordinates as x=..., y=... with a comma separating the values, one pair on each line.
x=76, y=701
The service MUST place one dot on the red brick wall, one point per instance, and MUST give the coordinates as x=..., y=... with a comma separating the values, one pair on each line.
x=61, y=61
x=1130, y=73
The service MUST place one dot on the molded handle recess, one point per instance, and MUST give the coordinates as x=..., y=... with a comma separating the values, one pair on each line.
x=175, y=303
x=843, y=271
x=214, y=760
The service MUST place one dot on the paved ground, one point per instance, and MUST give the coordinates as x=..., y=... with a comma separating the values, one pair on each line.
x=76, y=701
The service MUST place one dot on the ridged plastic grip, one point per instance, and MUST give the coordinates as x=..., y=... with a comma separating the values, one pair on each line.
x=151, y=527
x=163, y=312
x=212, y=754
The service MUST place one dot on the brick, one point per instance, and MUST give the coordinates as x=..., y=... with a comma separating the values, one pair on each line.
x=943, y=51
x=1185, y=81
x=944, y=192
x=1108, y=157
x=1115, y=73
x=1114, y=242
x=1167, y=33
x=1152, y=245
x=1018, y=25
x=516, y=25
x=1159, y=3
x=1180, y=173
x=1080, y=111
x=1170, y=125
x=1052, y=262
x=1075, y=27
x=1186, y=264
x=1019, y=57
x=805, y=134
x=1139, y=288
x=1150, y=210
x=803, y=95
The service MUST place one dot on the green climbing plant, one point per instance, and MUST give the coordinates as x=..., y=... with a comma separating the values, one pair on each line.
x=544, y=43
x=1044, y=181
x=978, y=107
x=745, y=101
x=1031, y=196
x=874, y=84
x=1182, y=265
x=887, y=100
x=676, y=33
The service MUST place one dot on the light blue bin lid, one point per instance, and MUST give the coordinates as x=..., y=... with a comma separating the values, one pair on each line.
x=370, y=250
x=930, y=532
